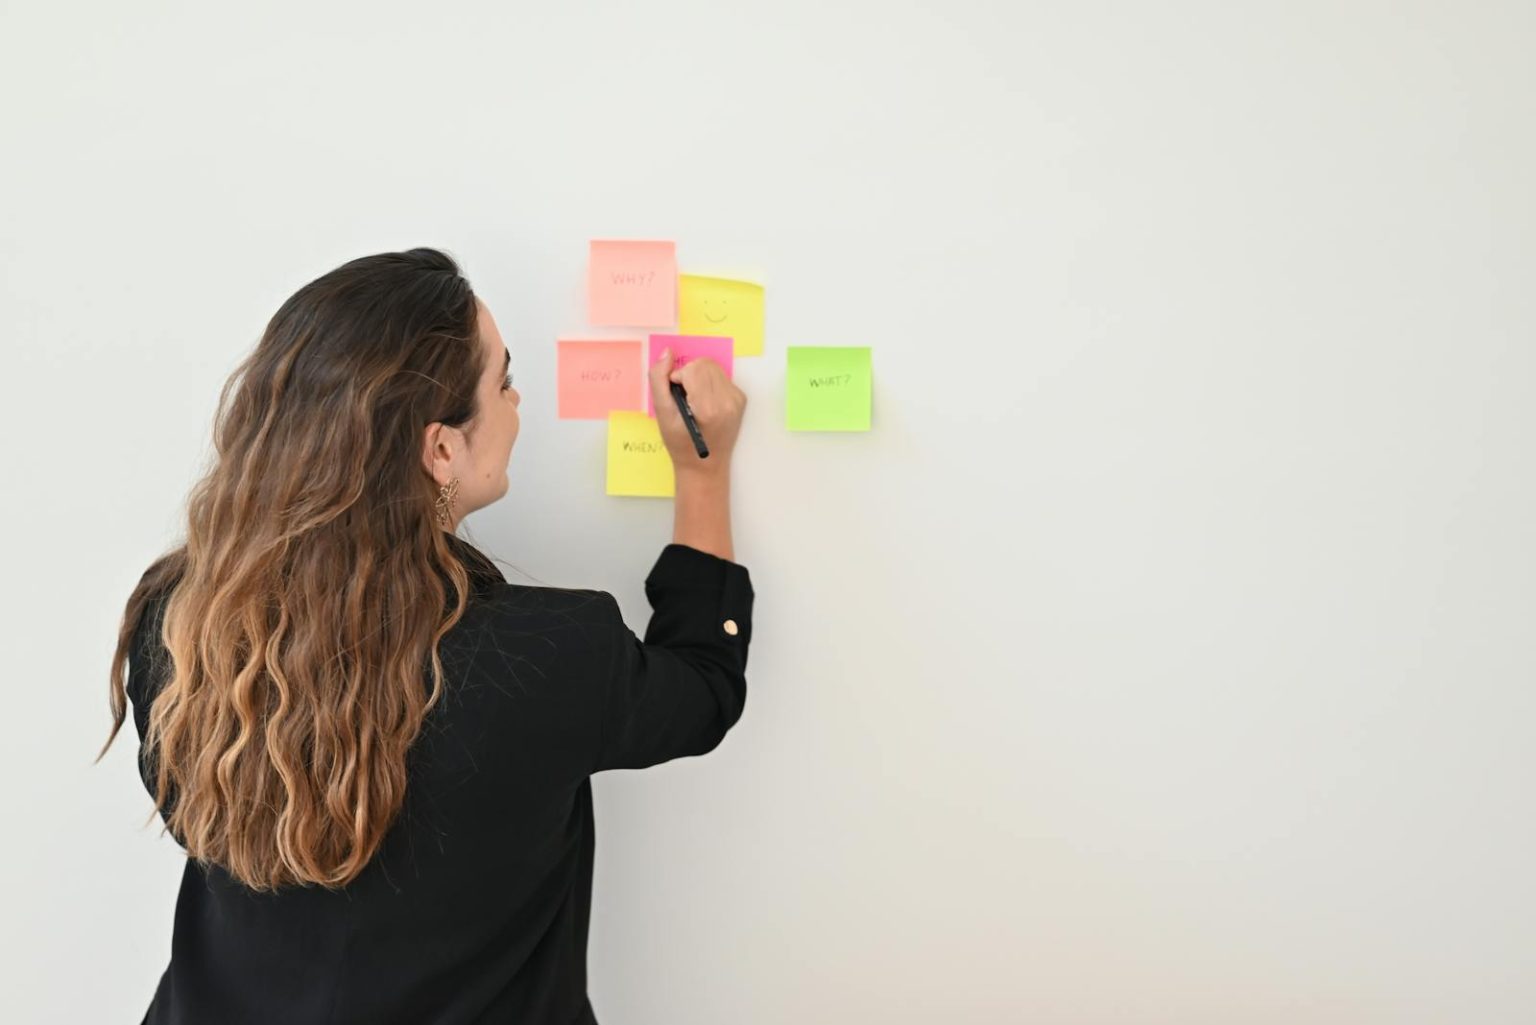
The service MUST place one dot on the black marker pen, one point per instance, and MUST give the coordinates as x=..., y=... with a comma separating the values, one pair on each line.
x=688, y=420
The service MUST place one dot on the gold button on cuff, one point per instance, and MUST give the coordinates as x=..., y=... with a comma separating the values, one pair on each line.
x=730, y=627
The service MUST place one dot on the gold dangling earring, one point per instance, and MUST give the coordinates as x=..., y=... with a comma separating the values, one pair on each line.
x=444, y=503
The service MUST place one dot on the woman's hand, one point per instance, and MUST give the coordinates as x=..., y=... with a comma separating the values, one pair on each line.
x=717, y=406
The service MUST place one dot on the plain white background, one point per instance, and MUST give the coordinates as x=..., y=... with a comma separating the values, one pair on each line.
x=1163, y=654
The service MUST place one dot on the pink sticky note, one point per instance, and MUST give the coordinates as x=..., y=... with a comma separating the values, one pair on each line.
x=632, y=284
x=598, y=376
x=686, y=348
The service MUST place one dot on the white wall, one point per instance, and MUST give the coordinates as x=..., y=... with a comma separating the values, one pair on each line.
x=1157, y=658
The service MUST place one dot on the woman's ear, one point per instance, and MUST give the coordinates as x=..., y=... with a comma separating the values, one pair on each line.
x=437, y=452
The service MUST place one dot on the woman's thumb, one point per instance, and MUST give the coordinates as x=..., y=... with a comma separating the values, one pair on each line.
x=661, y=370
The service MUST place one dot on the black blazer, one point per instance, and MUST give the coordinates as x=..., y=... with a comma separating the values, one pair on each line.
x=476, y=908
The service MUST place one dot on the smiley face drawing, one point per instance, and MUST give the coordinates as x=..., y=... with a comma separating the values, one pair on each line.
x=722, y=306
x=717, y=309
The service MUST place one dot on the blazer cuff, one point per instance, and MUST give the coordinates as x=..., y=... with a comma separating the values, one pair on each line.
x=691, y=581
x=686, y=566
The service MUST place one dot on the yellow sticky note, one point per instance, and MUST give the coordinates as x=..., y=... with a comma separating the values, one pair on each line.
x=638, y=461
x=721, y=306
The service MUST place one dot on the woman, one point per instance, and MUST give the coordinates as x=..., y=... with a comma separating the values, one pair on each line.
x=377, y=752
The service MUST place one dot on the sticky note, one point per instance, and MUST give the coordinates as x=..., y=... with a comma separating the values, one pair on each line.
x=828, y=388
x=721, y=306
x=638, y=461
x=687, y=348
x=597, y=377
x=632, y=284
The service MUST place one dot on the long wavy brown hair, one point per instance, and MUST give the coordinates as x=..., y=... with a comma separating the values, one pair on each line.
x=304, y=609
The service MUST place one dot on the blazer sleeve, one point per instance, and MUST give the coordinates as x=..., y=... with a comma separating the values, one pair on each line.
x=149, y=669
x=679, y=691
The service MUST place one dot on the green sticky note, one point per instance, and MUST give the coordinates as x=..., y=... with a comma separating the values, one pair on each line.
x=828, y=388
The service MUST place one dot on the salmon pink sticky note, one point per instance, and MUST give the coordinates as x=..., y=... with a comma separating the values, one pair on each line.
x=632, y=284
x=685, y=349
x=598, y=377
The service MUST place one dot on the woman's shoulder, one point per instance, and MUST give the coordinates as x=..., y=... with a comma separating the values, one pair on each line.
x=550, y=610
x=505, y=598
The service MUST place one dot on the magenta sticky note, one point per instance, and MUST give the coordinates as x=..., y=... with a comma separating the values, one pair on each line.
x=685, y=349
x=599, y=376
x=632, y=284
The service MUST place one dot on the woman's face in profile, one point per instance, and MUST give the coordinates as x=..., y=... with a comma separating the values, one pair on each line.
x=497, y=430
x=481, y=465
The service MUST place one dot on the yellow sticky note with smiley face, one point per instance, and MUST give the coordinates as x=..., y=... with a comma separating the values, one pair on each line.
x=721, y=306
